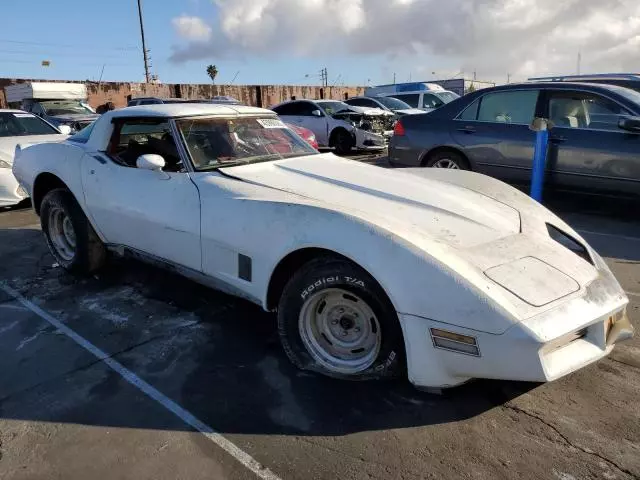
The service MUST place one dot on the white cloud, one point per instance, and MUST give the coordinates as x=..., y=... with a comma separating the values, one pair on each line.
x=192, y=28
x=522, y=37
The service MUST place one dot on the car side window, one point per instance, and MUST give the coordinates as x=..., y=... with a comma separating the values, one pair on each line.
x=135, y=137
x=431, y=101
x=286, y=109
x=511, y=106
x=305, y=108
x=412, y=99
x=37, y=109
x=359, y=102
x=584, y=111
x=471, y=112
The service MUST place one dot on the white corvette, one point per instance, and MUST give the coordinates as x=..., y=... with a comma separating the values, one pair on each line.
x=439, y=275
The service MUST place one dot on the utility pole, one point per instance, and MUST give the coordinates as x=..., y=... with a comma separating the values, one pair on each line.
x=508, y=78
x=579, y=60
x=147, y=75
x=324, y=77
x=394, y=78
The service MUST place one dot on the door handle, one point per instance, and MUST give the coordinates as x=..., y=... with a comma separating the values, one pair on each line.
x=467, y=130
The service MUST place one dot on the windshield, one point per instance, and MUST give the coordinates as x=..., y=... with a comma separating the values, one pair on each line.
x=393, y=103
x=18, y=124
x=66, y=107
x=333, y=107
x=446, y=97
x=224, y=142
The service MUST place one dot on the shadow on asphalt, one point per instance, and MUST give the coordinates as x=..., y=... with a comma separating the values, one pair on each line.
x=229, y=371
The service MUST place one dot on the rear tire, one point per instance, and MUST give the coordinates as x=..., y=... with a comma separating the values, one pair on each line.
x=342, y=141
x=334, y=319
x=447, y=159
x=71, y=239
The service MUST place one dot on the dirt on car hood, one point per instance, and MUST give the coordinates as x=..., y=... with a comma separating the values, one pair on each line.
x=449, y=213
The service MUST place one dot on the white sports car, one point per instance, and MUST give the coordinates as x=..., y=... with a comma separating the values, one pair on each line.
x=16, y=127
x=439, y=275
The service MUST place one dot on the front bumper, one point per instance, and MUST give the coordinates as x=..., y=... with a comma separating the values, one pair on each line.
x=10, y=191
x=539, y=349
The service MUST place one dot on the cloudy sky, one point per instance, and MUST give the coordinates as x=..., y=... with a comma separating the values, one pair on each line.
x=289, y=41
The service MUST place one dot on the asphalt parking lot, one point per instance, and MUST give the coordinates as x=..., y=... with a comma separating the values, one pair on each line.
x=137, y=373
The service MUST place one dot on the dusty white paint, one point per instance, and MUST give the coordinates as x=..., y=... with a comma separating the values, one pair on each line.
x=428, y=236
x=187, y=417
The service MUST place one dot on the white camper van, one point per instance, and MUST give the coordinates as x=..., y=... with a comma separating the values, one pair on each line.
x=57, y=103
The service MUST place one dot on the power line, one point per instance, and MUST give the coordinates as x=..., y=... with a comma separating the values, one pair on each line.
x=62, y=45
x=57, y=54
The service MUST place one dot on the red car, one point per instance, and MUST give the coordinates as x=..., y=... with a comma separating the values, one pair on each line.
x=306, y=134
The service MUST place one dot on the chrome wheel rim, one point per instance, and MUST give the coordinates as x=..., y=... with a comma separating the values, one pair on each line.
x=340, y=331
x=62, y=234
x=446, y=163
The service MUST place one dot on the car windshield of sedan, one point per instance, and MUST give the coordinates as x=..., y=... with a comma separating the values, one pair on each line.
x=20, y=124
x=393, y=103
x=66, y=107
x=333, y=107
x=446, y=97
x=224, y=142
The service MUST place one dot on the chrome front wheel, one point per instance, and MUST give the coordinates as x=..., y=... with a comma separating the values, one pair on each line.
x=62, y=234
x=340, y=331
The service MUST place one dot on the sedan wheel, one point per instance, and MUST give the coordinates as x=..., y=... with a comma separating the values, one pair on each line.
x=446, y=163
x=340, y=331
x=447, y=159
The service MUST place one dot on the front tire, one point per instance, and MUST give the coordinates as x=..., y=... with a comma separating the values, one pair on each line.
x=342, y=141
x=69, y=235
x=334, y=319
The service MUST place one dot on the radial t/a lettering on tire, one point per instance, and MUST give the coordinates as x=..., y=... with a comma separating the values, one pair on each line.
x=334, y=318
x=70, y=237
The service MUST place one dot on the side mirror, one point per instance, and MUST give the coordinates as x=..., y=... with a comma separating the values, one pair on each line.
x=151, y=162
x=316, y=113
x=65, y=129
x=630, y=124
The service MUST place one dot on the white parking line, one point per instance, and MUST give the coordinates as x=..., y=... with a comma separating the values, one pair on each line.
x=624, y=237
x=188, y=418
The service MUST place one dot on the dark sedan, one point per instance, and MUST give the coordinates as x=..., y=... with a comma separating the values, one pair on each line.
x=594, y=145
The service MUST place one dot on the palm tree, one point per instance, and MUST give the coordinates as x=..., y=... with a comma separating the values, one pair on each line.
x=212, y=71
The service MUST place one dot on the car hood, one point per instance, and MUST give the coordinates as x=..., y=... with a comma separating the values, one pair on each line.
x=393, y=200
x=8, y=144
x=367, y=111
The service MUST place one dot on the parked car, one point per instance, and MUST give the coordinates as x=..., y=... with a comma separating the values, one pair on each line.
x=306, y=134
x=594, y=145
x=338, y=125
x=397, y=107
x=17, y=126
x=374, y=273
x=424, y=96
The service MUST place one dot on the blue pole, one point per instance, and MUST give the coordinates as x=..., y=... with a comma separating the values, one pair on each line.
x=539, y=163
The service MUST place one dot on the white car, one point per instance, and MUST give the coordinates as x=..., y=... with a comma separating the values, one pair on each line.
x=338, y=125
x=17, y=126
x=436, y=274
